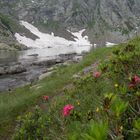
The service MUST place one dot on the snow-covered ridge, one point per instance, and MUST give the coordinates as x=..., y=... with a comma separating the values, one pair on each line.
x=49, y=40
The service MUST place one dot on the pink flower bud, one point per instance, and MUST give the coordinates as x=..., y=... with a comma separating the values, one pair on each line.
x=46, y=98
x=97, y=74
x=67, y=109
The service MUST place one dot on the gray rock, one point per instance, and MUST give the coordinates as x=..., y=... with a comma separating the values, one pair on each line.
x=77, y=59
x=105, y=20
x=48, y=62
x=44, y=75
x=4, y=46
x=67, y=56
x=18, y=46
x=12, y=69
x=33, y=55
x=2, y=71
x=12, y=47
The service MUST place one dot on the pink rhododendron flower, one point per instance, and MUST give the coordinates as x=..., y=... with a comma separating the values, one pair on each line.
x=46, y=98
x=134, y=82
x=97, y=74
x=136, y=79
x=67, y=109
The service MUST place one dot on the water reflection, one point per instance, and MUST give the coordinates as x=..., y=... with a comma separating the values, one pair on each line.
x=7, y=57
x=30, y=55
x=27, y=57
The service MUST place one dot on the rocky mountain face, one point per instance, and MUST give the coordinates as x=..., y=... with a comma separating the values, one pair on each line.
x=104, y=20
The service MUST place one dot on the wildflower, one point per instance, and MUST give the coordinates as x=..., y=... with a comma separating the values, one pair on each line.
x=136, y=79
x=134, y=82
x=97, y=109
x=121, y=128
x=97, y=74
x=67, y=109
x=46, y=98
x=78, y=103
x=116, y=85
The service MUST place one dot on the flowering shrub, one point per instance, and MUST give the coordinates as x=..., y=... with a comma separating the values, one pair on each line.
x=103, y=109
x=32, y=126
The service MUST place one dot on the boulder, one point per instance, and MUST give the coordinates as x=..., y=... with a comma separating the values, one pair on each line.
x=67, y=56
x=2, y=71
x=16, y=69
x=12, y=47
x=44, y=75
x=12, y=69
x=4, y=46
x=18, y=46
x=33, y=55
x=48, y=62
x=77, y=59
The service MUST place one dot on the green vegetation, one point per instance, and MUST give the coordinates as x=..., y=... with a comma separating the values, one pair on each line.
x=13, y=25
x=16, y=102
x=5, y=20
x=54, y=25
x=91, y=24
x=9, y=23
x=101, y=102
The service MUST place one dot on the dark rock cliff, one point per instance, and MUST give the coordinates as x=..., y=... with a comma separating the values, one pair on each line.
x=105, y=20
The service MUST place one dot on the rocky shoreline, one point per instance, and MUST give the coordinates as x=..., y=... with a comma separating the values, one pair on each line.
x=20, y=74
x=12, y=47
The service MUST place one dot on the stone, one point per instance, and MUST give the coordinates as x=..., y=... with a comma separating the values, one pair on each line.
x=33, y=55
x=12, y=69
x=18, y=46
x=77, y=59
x=48, y=62
x=44, y=75
x=2, y=71
x=6, y=47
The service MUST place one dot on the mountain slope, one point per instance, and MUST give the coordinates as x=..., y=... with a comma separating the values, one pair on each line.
x=104, y=20
x=8, y=27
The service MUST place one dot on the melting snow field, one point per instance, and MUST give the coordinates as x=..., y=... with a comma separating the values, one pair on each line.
x=109, y=44
x=53, y=45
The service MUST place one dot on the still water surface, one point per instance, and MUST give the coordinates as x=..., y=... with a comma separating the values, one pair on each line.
x=28, y=57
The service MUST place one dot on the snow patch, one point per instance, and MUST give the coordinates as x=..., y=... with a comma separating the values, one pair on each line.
x=45, y=40
x=109, y=44
x=95, y=45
